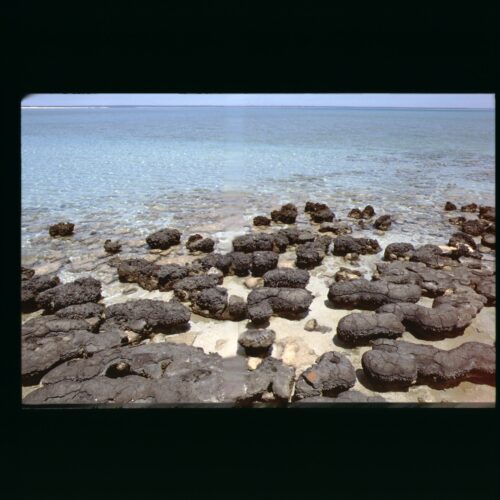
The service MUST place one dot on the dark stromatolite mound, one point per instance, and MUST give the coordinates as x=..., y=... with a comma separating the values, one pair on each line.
x=383, y=223
x=217, y=260
x=61, y=229
x=346, y=274
x=336, y=227
x=196, y=243
x=30, y=288
x=163, y=373
x=310, y=255
x=432, y=256
x=474, y=227
x=151, y=276
x=27, y=273
x=355, y=213
x=263, y=261
x=350, y=396
x=463, y=298
x=487, y=213
x=450, y=206
x=462, y=239
x=214, y=303
x=257, y=342
x=487, y=288
x=264, y=302
x=261, y=220
x=241, y=263
x=112, y=246
x=400, y=364
x=363, y=294
x=359, y=328
x=320, y=212
x=367, y=212
x=186, y=286
x=472, y=207
x=249, y=243
x=79, y=291
x=286, y=278
x=145, y=316
x=398, y=251
x=164, y=239
x=271, y=376
x=331, y=374
x=286, y=214
x=457, y=221
x=89, y=311
x=342, y=245
x=488, y=240
x=448, y=317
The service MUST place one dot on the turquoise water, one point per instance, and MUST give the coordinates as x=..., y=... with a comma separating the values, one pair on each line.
x=145, y=168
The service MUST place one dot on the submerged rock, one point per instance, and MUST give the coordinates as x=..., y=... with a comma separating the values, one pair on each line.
x=61, y=229
x=400, y=364
x=261, y=220
x=472, y=207
x=331, y=374
x=487, y=213
x=475, y=227
x=336, y=227
x=112, y=246
x=164, y=239
x=383, y=223
x=450, y=206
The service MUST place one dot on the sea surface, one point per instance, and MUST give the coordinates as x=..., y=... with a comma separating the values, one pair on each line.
x=122, y=173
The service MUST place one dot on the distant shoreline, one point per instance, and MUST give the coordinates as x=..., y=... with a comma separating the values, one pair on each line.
x=393, y=108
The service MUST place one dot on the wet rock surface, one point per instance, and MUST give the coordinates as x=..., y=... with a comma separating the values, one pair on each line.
x=398, y=251
x=363, y=294
x=350, y=396
x=61, y=229
x=286, y=214
x=450, y=206
x=331, y=374
x=112, y=247
x=400, y=364
x=343, y=245
x=196, y=243
x=261, y=220
x=383, y=223
x=164, y=239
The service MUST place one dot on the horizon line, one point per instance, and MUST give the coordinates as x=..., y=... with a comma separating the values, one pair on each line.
x=252, y=106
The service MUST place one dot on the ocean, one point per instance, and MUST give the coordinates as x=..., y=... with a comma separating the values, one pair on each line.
x=125, y=172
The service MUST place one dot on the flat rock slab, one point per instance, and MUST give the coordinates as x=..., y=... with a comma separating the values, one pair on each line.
x=331, y=374
x=162, y=373
x=344, y=397
x=394, y=363
x=363, y=294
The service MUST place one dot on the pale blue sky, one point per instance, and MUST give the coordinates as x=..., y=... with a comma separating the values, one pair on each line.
x=486, y=101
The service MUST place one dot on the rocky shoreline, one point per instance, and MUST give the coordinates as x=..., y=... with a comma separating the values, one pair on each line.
x=294, y=314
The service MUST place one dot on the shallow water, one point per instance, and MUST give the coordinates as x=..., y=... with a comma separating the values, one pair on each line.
x=123, y=173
